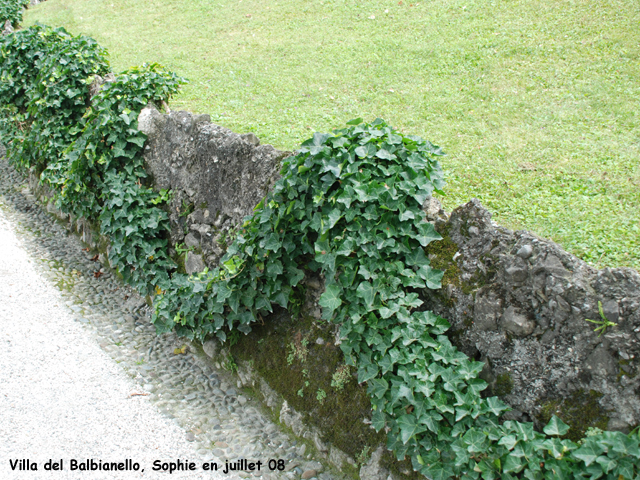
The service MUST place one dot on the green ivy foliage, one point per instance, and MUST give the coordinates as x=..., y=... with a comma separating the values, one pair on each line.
x=348, y=206
x=327, y=213
x=47, y=72
x=102, y=174
x=110, y=139
x=12, y=10
x=89, y=152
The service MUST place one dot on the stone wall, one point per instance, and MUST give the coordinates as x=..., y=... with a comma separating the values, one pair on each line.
x=217, y=177
x=517, y=302
x=520, y=303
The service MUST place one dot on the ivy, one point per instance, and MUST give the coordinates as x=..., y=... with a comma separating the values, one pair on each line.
x=12, y=10
x=89, y=151
x=102, y=177
x=348, y=206
x=46, y=75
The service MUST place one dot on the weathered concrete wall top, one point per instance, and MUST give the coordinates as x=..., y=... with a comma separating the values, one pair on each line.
x=216, y=175
x=520, y=303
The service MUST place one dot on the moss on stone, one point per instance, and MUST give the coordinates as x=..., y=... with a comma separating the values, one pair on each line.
x=298, y=378
x=180, y=260
x=504, y=384
x=580, y=410
x=441, y=255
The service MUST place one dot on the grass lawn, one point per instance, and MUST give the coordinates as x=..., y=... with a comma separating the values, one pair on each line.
x=536, y=103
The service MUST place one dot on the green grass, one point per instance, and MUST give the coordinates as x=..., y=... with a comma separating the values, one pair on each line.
x=536, y=103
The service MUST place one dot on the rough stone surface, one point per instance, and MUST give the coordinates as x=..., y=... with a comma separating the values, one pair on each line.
x=520, y=303
x=217, y=177
x=292, y=419
x=211, y=347
x=7, y=29
x=372, y=470
x=98, y=82
x=514, y=322
x=193, y=263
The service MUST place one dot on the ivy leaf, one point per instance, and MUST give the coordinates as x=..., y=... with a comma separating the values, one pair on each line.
x=428, y=233
x=438, y=471
x=556, y=427
x=432, y=420
x=332, y=166
x=470, y=370
x=294, y=275
x=366, y=291
x=385, y=155
x=588, y=452
x=361, y=151
x=407, y=215
x=330, y=300
x=125, y=118
x=524, y=430
x=417, y=258
x=377, y=386
x=394, y=139
x=274, y=268
x=625, y=445
x=281, y=298
x=378, y=420
x=432, y=276
x=475, y=440
x=508, y=441
x=334, y=217
x=387, y=364
x=272, y=243
x=494, y=405
x=606, y=463
x=318, y=140
x=339, y=142
x=409, y=427
x=367, y=372
x=513, y=464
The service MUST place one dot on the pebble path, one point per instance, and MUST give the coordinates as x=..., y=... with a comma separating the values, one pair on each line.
x=218, y=421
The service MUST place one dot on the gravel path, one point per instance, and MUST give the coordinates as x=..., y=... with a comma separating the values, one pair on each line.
x=83, y=374
x=61, y=397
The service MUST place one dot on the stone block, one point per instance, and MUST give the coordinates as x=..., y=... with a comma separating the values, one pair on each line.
x=193, y=263
x=513, y=321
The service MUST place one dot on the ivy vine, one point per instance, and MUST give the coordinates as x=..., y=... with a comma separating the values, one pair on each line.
x=348, y=206
x=88, y=150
